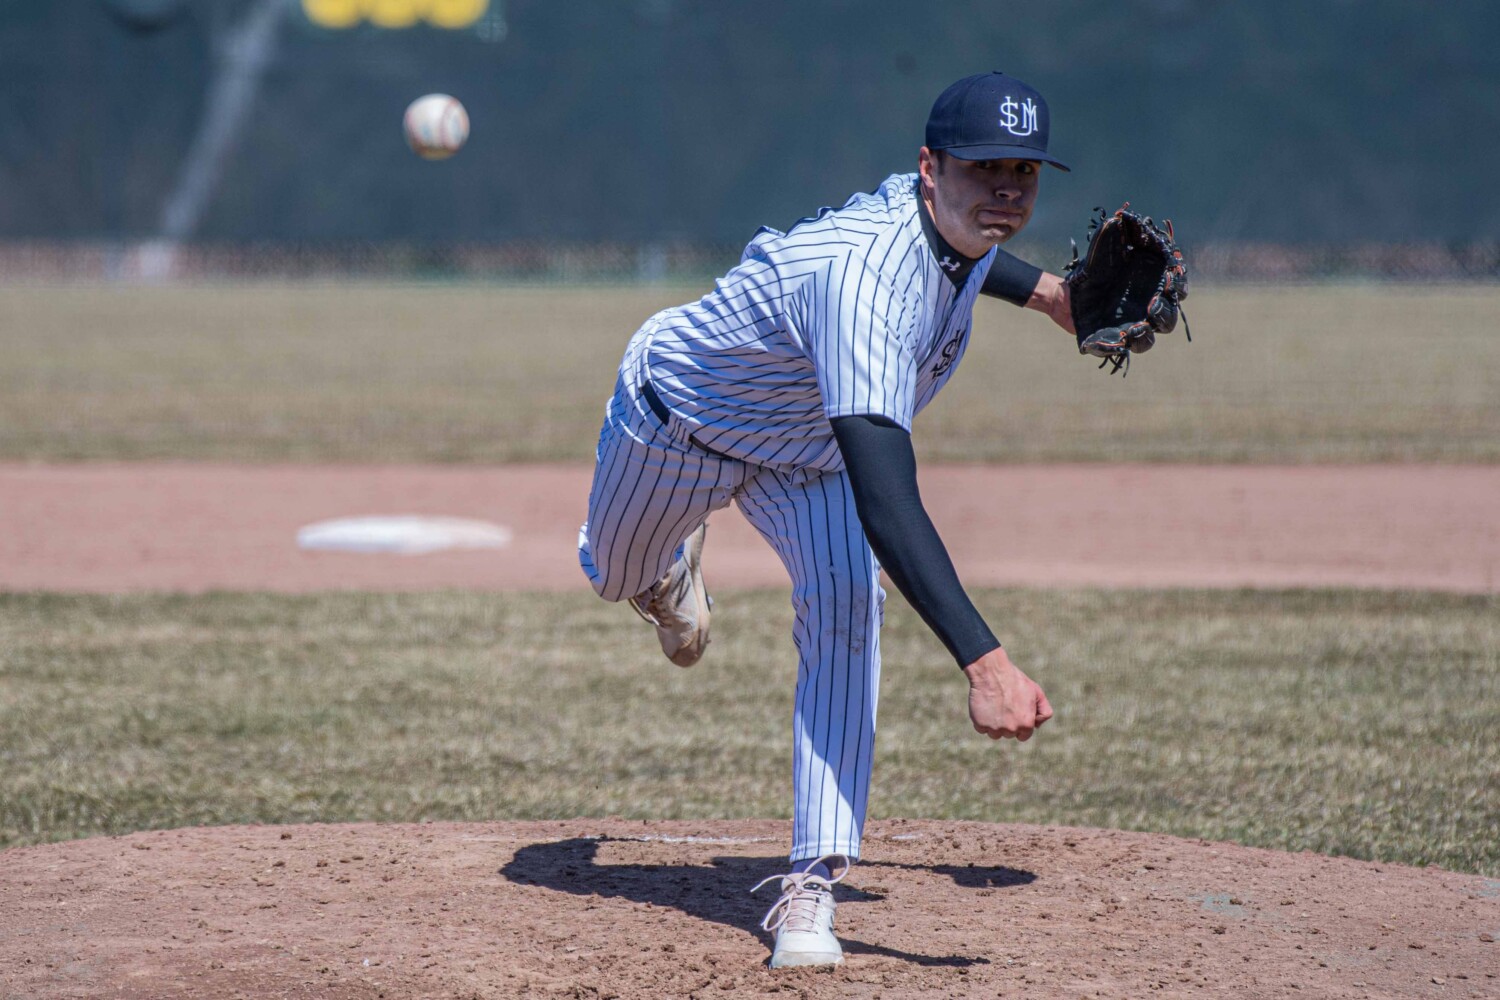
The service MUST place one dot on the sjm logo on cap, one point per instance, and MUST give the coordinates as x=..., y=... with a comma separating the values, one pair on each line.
x=991, y=116
x=1026, y=120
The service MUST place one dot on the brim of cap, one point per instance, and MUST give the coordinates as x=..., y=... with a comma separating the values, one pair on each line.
x=1005, y=153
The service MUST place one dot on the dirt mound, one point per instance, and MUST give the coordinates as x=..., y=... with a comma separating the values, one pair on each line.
x=614, y=908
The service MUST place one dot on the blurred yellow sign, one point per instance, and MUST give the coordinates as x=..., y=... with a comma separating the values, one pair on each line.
x=395, y=13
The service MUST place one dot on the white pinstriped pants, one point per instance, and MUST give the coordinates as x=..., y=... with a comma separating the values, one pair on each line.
x=652, y=488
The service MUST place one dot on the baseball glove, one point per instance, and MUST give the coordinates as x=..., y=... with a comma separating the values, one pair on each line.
x=1127, y=288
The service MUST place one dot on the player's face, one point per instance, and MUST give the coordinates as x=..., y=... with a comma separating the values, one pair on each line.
x=978, y=203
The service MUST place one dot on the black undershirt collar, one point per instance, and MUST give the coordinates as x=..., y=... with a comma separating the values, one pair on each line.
x=954, y=264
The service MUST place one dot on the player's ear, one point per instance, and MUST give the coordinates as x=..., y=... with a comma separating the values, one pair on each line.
x=928, y=163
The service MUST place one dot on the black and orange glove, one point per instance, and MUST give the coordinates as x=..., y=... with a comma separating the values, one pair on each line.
x=1127, y=288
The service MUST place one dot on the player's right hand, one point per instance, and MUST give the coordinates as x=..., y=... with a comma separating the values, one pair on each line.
x=1003, y=702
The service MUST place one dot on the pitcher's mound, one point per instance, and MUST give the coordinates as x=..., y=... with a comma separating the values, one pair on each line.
x=613, y=908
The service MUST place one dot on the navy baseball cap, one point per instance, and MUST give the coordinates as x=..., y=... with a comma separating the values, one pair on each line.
x=991, y=116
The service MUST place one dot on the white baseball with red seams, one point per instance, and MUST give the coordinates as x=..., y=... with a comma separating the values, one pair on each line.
x=436, y=126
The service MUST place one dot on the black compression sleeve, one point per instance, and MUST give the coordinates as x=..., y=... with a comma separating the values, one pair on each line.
x=1011, y=278
x=883, y=475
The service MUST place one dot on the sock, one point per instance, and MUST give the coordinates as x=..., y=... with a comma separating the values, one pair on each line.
x=814, y=865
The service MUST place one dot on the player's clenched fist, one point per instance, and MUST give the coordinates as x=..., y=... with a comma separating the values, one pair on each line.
x=1004, y=702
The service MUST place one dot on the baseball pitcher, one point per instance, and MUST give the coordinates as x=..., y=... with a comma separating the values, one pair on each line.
x=790, y=390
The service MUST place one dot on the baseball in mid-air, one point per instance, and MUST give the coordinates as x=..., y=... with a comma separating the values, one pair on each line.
x=436, y=126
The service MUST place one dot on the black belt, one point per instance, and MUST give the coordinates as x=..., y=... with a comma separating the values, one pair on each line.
x=648, y=393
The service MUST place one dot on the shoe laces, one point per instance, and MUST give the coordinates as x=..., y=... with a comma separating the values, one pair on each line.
x=801, y=896
x=663, y=601
x=659, y=603
x=647, y=603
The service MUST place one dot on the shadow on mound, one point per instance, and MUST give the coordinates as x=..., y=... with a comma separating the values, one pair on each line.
x=571, y=866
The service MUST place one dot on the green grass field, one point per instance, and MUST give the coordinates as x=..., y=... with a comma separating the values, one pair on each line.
x=470, y=373
x=1352, y=723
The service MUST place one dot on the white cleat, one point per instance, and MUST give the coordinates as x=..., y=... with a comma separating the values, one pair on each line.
x=679, y=606
x=802, y=919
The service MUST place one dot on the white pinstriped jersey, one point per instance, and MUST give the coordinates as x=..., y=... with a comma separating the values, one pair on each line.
x=849, y=312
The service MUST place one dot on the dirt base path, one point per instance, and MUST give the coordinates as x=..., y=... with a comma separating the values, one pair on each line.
x=649, y=910
x=194, y=527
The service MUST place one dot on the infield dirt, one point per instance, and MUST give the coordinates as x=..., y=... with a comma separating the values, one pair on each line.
x=200, y=526
x=634, y=910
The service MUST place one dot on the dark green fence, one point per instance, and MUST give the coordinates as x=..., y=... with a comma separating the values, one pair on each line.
x=693, y=122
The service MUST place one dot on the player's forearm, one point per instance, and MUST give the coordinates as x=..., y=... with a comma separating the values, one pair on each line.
x=1011, y=278
x=1050, y=298
x=882, y=474
x=919, y=566
x=1023, y=284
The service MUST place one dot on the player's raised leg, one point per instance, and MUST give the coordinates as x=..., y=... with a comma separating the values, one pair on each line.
x=643, y=538
x=678, y=604
x=838, y=600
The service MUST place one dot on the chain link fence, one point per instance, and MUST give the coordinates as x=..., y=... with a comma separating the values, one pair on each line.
x=661, y=263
